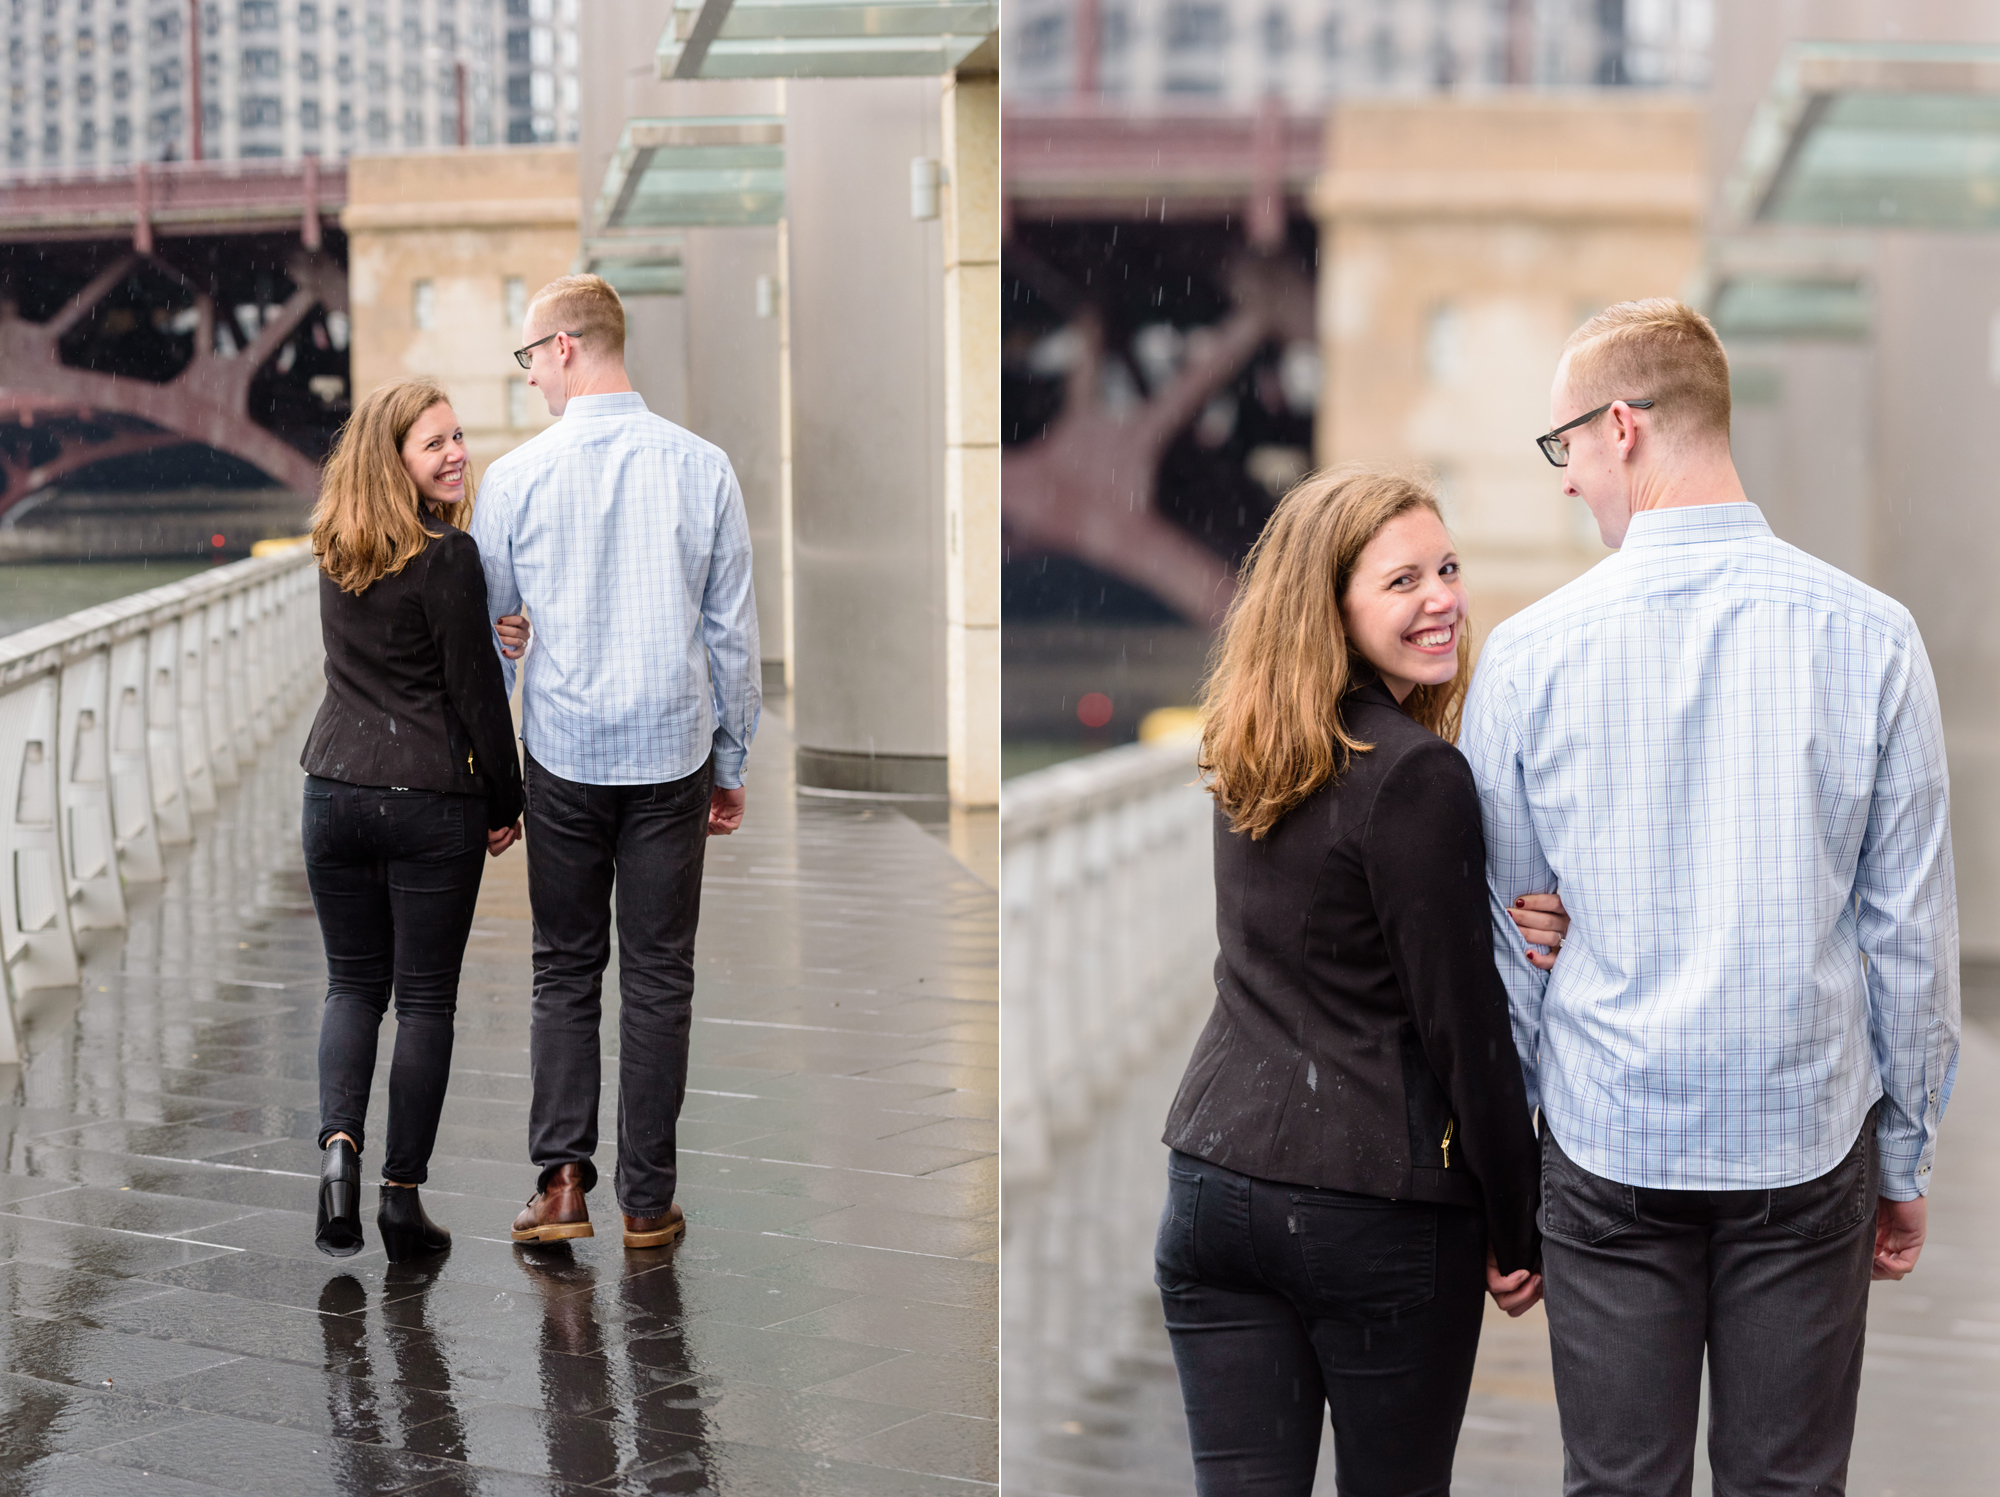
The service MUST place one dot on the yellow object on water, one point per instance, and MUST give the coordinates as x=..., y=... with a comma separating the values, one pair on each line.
x=279, y=546
x=1170, y=724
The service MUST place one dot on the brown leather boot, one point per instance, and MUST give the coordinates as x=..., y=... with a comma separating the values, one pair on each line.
x=556, y=1212
x=654, y=1231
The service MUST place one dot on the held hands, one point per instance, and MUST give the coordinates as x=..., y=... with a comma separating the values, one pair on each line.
x=725, y=811
x=1542, y=921
x=498, y=842
x=1517, y=1293
x=1899, y=1236
x=514, y=631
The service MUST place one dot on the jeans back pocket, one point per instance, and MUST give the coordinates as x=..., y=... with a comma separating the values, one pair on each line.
x=1175, y=1265
x=1366, y=1259
x=1578, y=1205
x=1834, y=1203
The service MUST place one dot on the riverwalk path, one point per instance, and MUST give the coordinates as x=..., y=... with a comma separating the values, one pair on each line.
x=827, y=1326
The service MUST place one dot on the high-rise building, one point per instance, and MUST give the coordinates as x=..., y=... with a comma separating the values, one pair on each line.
x=1154, y=54
x=100, y=83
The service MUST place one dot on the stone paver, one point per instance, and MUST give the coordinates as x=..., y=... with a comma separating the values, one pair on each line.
x=1092, y=1407
x=827, y=1326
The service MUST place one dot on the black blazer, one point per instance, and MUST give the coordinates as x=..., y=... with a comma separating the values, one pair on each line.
x=1360, y=1039
x=414, y=696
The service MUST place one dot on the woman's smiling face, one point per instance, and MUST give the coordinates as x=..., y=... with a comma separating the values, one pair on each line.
x=1405, y=606
x=434, y=455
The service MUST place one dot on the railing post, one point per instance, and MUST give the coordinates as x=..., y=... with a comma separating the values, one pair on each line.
x=164, y=731
x=134, y=822
x=89, y=841
x=35, y=937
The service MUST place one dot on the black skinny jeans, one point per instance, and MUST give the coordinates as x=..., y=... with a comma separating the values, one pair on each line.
x=394, y=877
x=1283, y=1302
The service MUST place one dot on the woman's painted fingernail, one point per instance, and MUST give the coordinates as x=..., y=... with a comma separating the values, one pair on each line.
x=1519, y=903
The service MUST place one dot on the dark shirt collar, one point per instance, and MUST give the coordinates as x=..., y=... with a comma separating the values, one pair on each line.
x=1366, y=685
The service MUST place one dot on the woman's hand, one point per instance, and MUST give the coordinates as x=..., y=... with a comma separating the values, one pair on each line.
x=498, y=842
x=514, y=631
x=1518, y=1292
x=1542, y=921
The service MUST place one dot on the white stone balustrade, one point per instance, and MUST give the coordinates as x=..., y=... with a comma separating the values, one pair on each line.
x=116, y=726
x=1108, y=908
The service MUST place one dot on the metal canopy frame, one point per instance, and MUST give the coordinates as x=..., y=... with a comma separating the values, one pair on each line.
x=700, y=171
x=823, y=38
x=1875, y=135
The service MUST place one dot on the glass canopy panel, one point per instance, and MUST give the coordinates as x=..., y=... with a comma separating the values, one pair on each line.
x=1875, y=135
x=1781, y=307
x=1924, y=161
x=822, y=38
x=692, y=172
x=638, y=265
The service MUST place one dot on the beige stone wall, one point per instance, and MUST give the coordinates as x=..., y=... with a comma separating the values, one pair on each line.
x=1462, y=241
x=465, y=221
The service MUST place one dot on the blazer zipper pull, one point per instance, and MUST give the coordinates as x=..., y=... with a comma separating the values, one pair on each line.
x=1449, y=1124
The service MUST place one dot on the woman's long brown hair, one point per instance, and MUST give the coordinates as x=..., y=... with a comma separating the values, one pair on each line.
x=369, y=522
x=1281, y=663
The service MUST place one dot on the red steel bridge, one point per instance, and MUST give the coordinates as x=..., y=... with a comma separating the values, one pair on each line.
x=171, y=303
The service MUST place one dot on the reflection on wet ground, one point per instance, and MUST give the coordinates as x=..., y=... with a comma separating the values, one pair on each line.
x=1092, y=1405
x=827, y=1326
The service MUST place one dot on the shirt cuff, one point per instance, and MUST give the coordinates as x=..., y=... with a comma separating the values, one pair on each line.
x=729, y=767
x=1904, y=1171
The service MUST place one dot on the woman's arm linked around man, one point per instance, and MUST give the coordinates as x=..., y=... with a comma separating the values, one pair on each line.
x=1353, y=1160
x=412, y=782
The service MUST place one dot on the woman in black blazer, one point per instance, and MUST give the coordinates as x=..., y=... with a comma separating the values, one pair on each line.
x=1354, y=1163
x=413, y=779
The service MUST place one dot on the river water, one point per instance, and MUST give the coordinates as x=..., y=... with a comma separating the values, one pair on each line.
x=34, y=592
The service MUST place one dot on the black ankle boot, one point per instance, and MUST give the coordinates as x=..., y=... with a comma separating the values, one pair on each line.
x=339, y=1233
x=407, y=1232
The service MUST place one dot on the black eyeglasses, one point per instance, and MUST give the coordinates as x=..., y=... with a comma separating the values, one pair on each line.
x=521, y=354
x=1558, y=452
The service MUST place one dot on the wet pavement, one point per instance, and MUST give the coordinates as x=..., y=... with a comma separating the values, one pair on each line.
x=827, y=1326
x=1092, y=1406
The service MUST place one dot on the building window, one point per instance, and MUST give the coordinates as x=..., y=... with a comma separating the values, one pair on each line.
x=258, y=15
x=261, y=110
x=166, y=26
x=517, y=402
x=309, y=114
x=51, y=141
x=1193, y=27
x=260, y=62
x=308, y=17
x=423, y=305
x=86, y=43
x=86, y=137
x=121, y=37
x=167, y=76
x=343, y=69
x=121, y=85
x=308, y=67
x=86, y=90
x=344, y=118
x=51, y=94
x=513, y=301
x=121, y=133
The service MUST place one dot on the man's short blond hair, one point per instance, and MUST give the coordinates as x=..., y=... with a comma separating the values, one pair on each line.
x=1659, y=350
x=585, y=305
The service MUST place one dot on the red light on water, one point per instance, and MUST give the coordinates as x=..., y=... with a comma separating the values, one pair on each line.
x=217, y=541
x=1094, y=711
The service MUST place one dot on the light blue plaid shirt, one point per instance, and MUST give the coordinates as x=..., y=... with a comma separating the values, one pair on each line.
x=625, y=538
x=1726, y=756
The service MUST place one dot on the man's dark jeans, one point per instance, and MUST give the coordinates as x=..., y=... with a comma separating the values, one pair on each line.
x=1284, y=1303
x=1773, y=1284
x=647, y=841
x=394, y=876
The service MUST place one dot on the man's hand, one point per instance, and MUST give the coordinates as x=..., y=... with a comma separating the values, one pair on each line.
x=514, y=631
x=1899, y=1236
x=1517, y=1293
x=725, y=811
x=498, y=842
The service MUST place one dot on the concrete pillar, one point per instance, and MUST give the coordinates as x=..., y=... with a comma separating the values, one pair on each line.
x=732, y=393
x=971, y=211
x=867, y=342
